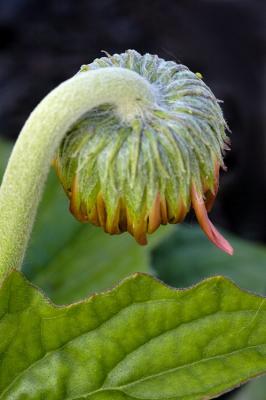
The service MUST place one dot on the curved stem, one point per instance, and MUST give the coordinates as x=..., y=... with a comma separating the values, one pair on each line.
x=42, y=133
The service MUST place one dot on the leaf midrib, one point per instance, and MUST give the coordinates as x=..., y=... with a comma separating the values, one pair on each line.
x=162, y=373
x=46, y=355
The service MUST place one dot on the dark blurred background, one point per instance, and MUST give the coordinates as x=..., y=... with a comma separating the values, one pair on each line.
x=44, y=43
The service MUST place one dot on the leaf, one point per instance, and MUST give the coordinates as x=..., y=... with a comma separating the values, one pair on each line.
x=140, y=340
x=190, y=258
x=5, y=149
x=61, y=249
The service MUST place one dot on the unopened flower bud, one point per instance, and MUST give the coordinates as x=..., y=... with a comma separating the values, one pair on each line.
x=136, y=171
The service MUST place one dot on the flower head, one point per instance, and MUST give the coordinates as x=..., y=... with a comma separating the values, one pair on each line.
x=135, y=172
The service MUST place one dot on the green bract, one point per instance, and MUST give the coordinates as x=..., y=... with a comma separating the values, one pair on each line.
x=141, y=340
x=136, y=172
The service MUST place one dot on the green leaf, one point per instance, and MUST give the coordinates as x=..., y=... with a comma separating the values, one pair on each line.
x=190, y=258
x=140, y=340
x=5, y=148
x=68, y=259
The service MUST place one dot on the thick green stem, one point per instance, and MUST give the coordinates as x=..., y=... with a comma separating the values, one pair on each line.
x=30, y=160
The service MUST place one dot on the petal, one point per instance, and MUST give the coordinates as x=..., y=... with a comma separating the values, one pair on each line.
x=206, y=225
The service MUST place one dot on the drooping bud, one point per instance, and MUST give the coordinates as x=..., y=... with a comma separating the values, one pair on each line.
x=135, y=172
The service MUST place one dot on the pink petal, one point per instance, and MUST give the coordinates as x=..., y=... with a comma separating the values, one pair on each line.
x=206, y=225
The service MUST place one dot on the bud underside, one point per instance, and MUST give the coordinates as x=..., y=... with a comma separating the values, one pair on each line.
x=133, y=173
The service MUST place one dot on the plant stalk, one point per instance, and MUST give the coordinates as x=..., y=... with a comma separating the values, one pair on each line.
x=29, y=163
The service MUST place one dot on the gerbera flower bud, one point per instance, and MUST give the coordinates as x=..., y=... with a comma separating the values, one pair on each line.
x=135, y=172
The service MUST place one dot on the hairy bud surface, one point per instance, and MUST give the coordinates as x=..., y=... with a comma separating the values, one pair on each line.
x=144, y=163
